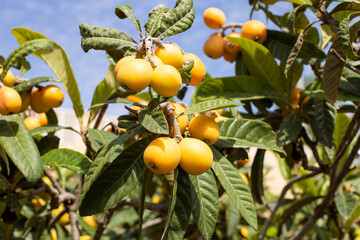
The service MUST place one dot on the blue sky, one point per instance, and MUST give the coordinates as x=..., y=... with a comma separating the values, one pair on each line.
x=59, y=21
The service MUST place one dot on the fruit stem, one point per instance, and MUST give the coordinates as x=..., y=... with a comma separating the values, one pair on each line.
x=233, y=26
x=146, y=45
x=168, y=110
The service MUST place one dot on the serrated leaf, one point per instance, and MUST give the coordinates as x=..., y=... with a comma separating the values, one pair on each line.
x=153, y=119
x=289, y=130
x=99, y=38
x=116, y=181
x=156, y=16
x=281, y=43
x=58, y=62
x=237, y=87
x=124, y=11
x=180, y=216
x=322, y=122
x=332, y=73
x=243, y=133
x=35, y=45
x=261, y=63
x=257, y=176
x=177, y=20
x=297, y=46
x=345, y=38
x=49, y=129
x=345, y=203
x=210, y=105
x=98, y=138
x=205, y=201
x=103, y=91
x=27, y=85
x=235, y=187
x=104, y=157
x=20, y=147
x=67, y=158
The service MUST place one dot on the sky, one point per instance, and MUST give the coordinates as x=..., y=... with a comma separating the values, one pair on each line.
x=59, y=21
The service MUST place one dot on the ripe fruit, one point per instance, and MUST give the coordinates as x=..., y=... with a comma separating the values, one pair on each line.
x=53, y=234
x=214, y=46
x=196, y=156
x=85, y=237
x=36, y=103
x=170, y=54
x=31, y=122
x=10, y=101
x=25, y=101
x=64, y=218
x=52, y=96
x=244, y=232
x=182, y=120
x=254, y=30
x=243, y=161
x=9, y=78
x=135, y=75
x=295, y=97
x=91, y=220
x=198, y=71
x=230, y=46
x=157, y=61
x=121, y=63
x=166, y=80
x=43, y=119
x=162, y=155
x=214, y=18
x=230, y=57
x=137, y=100
x=38, y=203
x=204, y=128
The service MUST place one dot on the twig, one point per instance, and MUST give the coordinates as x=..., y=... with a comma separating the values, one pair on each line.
x=312, y=146
x=343, y=61
x=100, y=116
x=75, y=232
x=54, y=182
x=168, y=110
x=233, y=26
x=305, y=162
x=281, y=199
x=55, y=219
x=31, y=193
x=160, y=208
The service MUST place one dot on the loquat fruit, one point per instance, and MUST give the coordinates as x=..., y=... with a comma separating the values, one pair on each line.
x=204, y=128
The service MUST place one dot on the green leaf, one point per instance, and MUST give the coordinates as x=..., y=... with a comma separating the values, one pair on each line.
x=205, y=201
x=280, y=45
x=103, y=91
x=35, y=45
x=177, y=20
x=323, y=122
x=289, y=130
x=237, y=87
x=49, y=129
x=117, y=100
x=146, y=186
x=345, y=37
x=257, y=176
x=67, y=158
x=58, y=62
x=332, y=73
x=156, y=17
x=27, y=85
x=153, y=119
x=261, y=63
x=326, y=35
x=48, y=143
x=210, y=105
x=20, y=147
x=355, y=215
x=345, y=203
x=181, y=215
x=243, y=133
x=342, y=10
x=98, y=38
x=232, y=217
x=235, y=187
x=349, y=86
x=105, y=156
x=98, y=138
x=124, y=11
x=121, y=176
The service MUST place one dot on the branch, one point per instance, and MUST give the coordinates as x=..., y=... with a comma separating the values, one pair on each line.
x=312, y=146
x=168, y=111
x=281, y=199
x=75, y=232
x=343, y=61
x=160, y=208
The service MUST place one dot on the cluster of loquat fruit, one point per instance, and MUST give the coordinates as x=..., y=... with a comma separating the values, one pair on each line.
x=41, y=99
x=158, y=70
x=192, y=153
x=217, y=45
